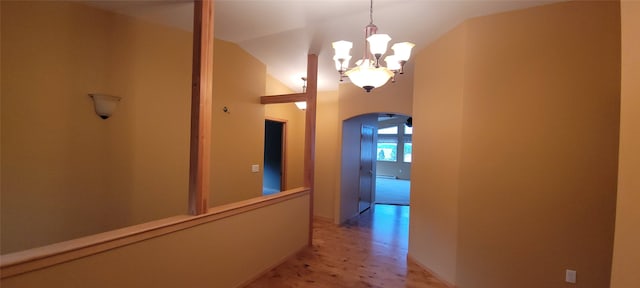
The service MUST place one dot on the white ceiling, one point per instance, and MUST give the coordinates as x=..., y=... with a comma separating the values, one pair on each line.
x=281, y=33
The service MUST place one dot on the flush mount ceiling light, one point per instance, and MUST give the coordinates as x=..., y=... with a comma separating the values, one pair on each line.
x=368, y=73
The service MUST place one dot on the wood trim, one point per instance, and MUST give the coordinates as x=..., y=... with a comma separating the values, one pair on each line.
x=202, y=81
x=283, y=154
x=310, y=133
x=285, y=98
x=276, y=119
x=33, y=259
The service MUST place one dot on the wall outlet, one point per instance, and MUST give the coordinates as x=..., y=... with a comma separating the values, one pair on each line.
x=570, y=276
x=255, y=168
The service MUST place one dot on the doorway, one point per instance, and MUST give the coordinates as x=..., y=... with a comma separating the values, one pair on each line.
x=365, y=194
x=274, y=167
x=393, y=159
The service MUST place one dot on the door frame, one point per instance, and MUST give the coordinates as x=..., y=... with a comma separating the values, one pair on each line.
x=371, y=171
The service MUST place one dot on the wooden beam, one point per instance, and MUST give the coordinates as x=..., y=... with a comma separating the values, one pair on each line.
x=310, y=134
x=202, y=75
x=285, y=98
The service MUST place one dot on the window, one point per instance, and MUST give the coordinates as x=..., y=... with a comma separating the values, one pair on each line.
x=388, y=144
x=407, y=153
x=387, y=151
x=408, y=146
x=393, y=130
x=394, y=141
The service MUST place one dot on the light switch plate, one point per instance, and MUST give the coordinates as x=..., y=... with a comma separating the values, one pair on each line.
x=570, y=276
x=255, y=168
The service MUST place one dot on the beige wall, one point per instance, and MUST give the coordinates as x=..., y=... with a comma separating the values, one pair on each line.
x=295, y=124
x=390, y=98
x=237, y=139
x=149, y=138
x=626, y=255
x=327, y=155
x=224, y=253
x=436, y=153
x=538, y=148
x=66, y=172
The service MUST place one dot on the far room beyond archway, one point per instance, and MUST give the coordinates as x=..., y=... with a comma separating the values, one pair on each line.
x=376, y=153
x=393, y=159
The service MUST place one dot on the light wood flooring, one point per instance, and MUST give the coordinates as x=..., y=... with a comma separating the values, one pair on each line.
x=369, y=251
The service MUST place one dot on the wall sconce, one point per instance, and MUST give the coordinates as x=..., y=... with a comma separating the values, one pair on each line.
x=302, y=105
x=104, y=104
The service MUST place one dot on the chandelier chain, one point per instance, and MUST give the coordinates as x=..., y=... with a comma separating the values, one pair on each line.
x=371, y=12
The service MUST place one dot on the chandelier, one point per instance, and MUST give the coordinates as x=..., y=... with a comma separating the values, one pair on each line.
x=368, y=73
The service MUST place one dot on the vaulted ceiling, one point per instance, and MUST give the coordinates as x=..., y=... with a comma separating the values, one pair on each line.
x=281, y=33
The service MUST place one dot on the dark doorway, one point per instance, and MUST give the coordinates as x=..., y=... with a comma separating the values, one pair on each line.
x=273, y=175
x=366, y=169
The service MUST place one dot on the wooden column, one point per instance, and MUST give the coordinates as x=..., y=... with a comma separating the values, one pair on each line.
x=310, y=134
x=202, y=81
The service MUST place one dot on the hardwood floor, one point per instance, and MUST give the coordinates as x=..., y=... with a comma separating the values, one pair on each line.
x=369, y=251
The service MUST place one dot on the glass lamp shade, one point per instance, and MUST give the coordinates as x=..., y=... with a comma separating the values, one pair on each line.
x=342, y=66
x=302, y=105
x=392, y=63
x=402, y=50
x=368, y=77
x=342, y=49
x=378, y=43
x=104, y=104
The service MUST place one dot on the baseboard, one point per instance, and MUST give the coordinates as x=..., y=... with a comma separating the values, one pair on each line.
x=271, y=267
x=411, y=259
x=322, y=219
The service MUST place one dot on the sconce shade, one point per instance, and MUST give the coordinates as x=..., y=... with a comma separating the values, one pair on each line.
x=402, y=50
x=342, y=49
x=378, y=43
x=302, y=105
x=392, y=63
x=104, y=104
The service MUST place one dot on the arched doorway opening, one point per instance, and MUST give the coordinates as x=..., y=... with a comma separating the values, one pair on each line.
x=376, y=162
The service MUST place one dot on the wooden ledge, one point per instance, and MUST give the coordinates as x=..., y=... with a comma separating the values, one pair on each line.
x=285, y=98
x=37, y=258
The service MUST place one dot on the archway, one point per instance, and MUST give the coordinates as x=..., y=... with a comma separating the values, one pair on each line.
x=391, y=160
